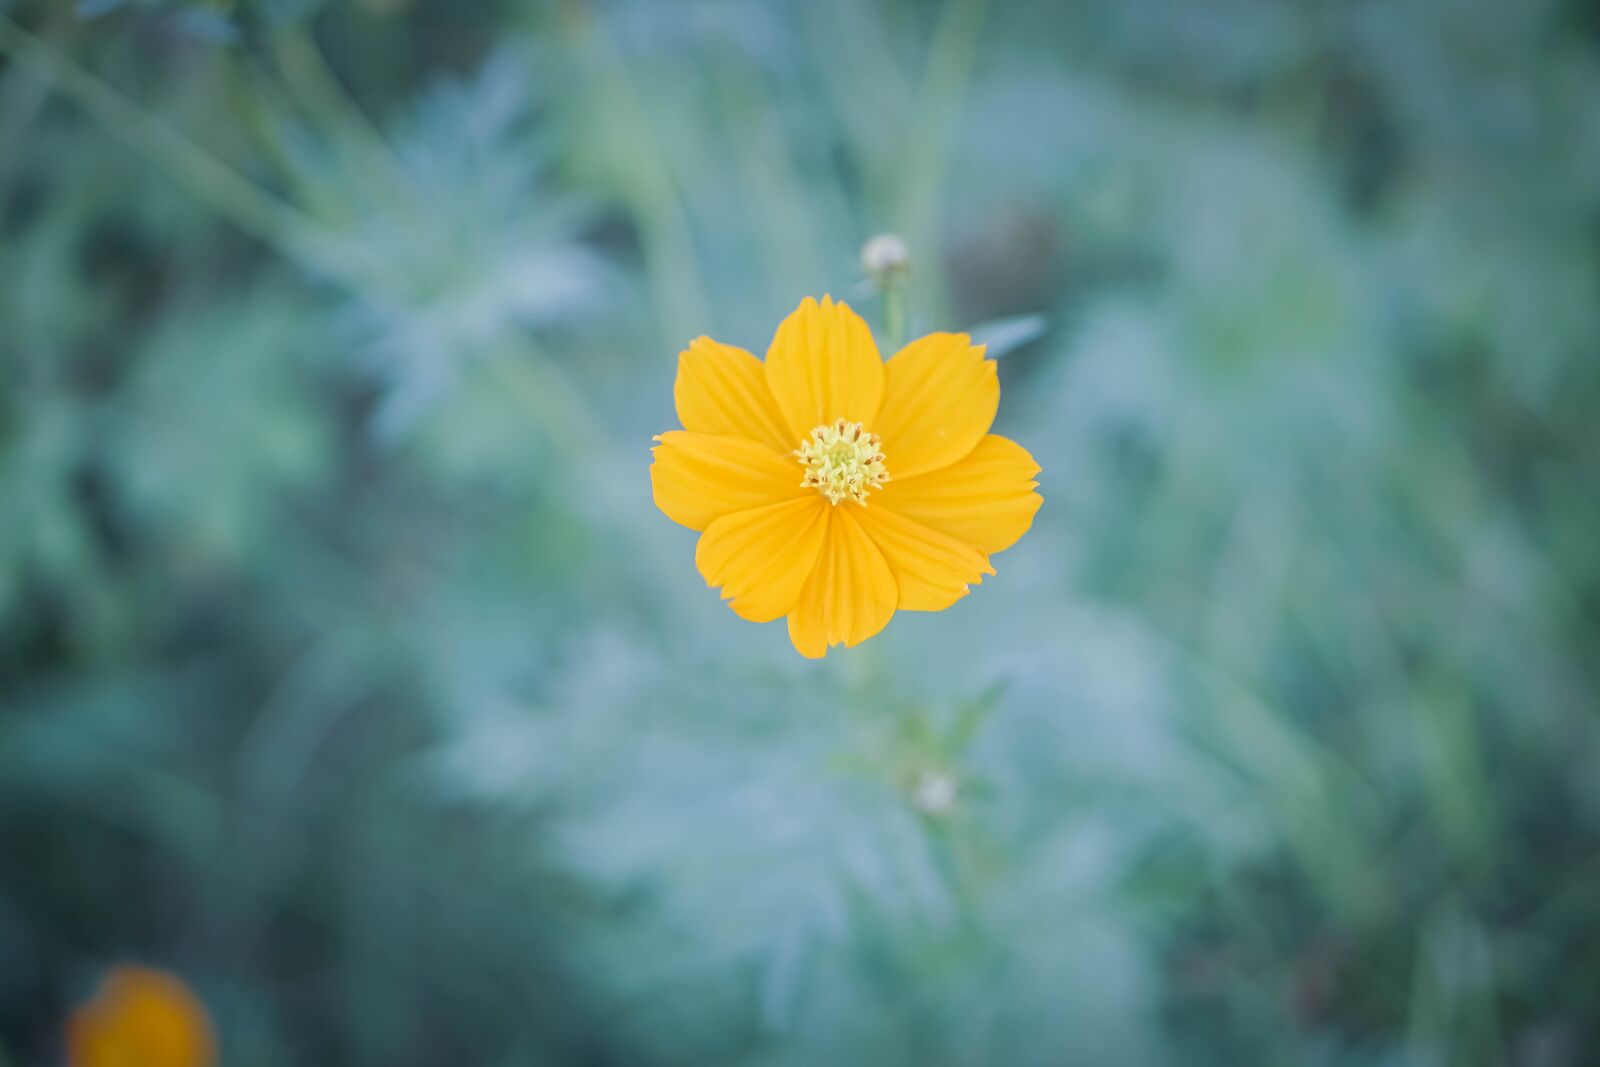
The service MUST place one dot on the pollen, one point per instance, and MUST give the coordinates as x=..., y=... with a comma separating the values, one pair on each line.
x=842, y=460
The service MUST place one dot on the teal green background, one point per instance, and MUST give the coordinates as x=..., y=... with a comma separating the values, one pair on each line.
x=347, y=669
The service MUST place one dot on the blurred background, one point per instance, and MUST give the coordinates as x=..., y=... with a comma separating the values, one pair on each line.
x=348, y=672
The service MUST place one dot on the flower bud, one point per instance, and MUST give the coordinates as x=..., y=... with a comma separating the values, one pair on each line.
x=934, y=792
x=885, y=258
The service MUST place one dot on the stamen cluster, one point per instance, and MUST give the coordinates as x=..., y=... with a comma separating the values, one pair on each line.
x=842, y=460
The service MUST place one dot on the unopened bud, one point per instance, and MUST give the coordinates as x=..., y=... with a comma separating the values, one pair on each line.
x=934, y=792
x=885, y=257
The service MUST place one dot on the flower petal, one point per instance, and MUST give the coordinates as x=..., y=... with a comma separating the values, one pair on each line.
x=851, y=594
x=939, y=399
x=721, y=389
x=697, y=478
x=933, y=570
x=823, y=366
x=761, y=558
x=986, y=499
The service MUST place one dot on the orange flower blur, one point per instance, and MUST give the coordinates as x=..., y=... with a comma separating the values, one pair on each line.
x=140, y=1017
x=836, y=488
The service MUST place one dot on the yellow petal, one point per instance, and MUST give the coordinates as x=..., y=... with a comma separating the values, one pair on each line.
x=698, y=478
x=939, y=399
x=824, y=366
x=723, y=390
x=932, y=570
x=140, y=1016
x=850, y=595
x=762, y=557
x=986, y=499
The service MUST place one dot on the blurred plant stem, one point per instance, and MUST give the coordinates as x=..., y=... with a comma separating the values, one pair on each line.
x=768, y=169
x=927, y=151
x=277, y=224
x=645, y=180
x=556, y=404
x=894, y=315
x=321, y=95
x=22, y=97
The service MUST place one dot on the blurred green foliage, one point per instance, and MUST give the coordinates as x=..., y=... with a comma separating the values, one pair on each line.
x=347, y=670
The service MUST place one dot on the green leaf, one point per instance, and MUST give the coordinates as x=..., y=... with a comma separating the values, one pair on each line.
x=1003, y=336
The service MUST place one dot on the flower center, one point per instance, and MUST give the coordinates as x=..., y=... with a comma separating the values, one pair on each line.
x=842, y=460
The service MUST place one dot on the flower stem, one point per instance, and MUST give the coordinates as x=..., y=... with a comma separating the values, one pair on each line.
x=894, y=314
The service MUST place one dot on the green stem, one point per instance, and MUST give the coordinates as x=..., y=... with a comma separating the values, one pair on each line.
x=894, y=315
x=323, y=97
x=646, y=180
x=944, y=84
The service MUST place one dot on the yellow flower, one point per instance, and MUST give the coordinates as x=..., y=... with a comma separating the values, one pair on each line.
x=140, y=1016
x=834, y=487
